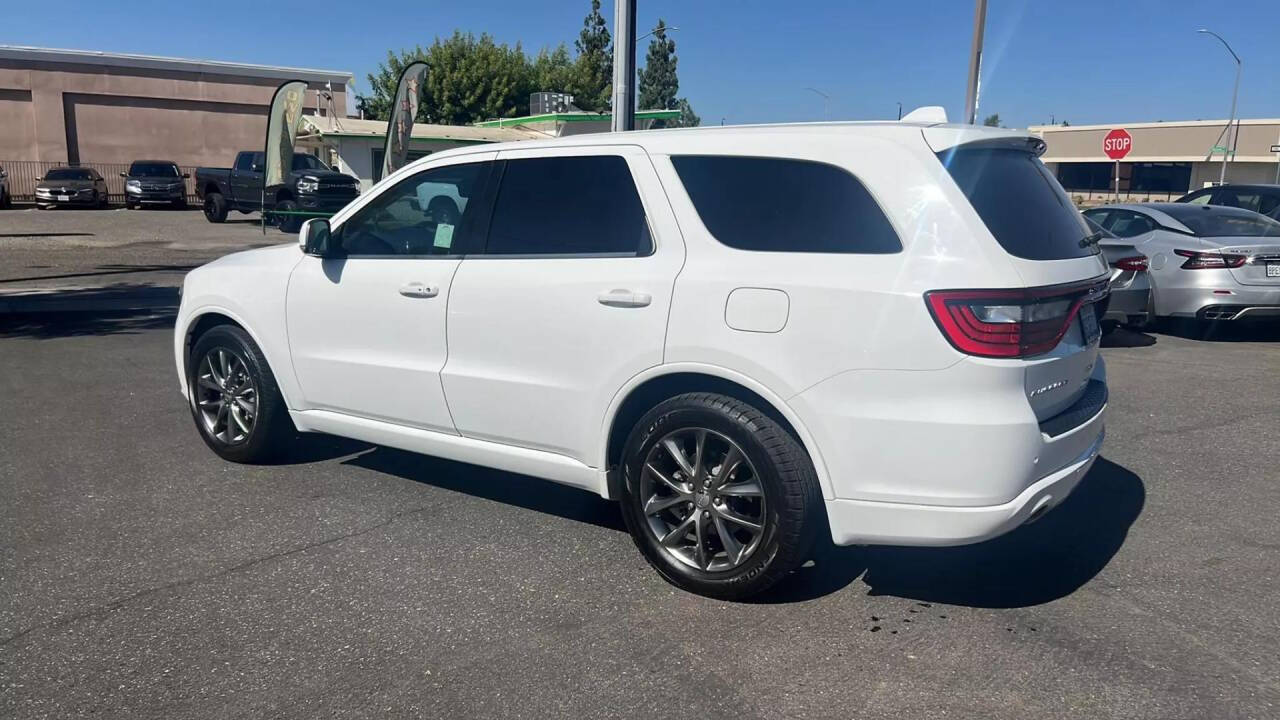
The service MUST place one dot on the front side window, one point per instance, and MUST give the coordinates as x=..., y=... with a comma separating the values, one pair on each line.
x=583, y=205
x=783, y=205
x=425, y=214
x=1202, y=198
x=302, y=161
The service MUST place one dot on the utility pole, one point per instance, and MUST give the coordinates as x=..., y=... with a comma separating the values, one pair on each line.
x=899, y=111
x=624, y=65
x=975, y=63
x=1235, y=134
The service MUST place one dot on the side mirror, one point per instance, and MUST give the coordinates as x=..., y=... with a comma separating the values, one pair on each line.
x=315, y=237
x=124, y=174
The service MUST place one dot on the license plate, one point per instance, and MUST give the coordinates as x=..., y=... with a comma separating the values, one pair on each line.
x=64, y=198
x=1089, y=323
x=1273, y=269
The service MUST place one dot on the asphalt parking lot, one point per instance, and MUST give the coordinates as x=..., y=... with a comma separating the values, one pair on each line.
x=143, y=577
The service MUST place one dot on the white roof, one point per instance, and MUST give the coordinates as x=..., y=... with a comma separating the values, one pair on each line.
x=351, y=127
x=25, y=53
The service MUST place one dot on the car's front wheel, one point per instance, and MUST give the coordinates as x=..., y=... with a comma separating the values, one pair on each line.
x=719, y=497
x=234, y=399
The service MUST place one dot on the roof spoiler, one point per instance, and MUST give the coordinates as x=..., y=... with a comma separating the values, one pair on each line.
x=926, y=114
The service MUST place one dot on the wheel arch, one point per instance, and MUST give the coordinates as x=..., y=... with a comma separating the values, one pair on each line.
x=647, y=389
x=205, y=318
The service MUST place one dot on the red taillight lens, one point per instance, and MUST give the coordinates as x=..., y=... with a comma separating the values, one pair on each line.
x=1209, y=260
x=1009, y=323
x=1133, y=264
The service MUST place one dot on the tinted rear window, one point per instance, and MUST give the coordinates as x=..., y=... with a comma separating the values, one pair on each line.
x=1021, y=203
x=1215, y=221
x=781, y=205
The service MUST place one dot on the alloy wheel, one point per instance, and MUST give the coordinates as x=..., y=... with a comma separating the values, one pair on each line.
x=226, y=396
x=702, y=500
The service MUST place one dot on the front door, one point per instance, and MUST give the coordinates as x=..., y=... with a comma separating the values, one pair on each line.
x=567, y=302
x=367, y=328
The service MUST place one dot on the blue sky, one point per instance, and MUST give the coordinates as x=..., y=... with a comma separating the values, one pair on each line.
x=1083, y=61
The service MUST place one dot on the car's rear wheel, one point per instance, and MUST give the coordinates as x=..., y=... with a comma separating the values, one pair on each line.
x=215, y=207
x=234, y=399
x=718, y=496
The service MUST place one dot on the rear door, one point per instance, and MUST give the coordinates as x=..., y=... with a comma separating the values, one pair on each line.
x=568, y=300
x=1030, y=216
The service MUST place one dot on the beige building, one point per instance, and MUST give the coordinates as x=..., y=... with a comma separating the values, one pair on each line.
x=59, y=106
x=1167, y=159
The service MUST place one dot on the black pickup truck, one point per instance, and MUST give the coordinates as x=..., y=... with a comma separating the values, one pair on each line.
x=310, y=187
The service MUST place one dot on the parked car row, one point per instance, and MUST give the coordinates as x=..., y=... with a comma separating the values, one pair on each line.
x=1191, y=260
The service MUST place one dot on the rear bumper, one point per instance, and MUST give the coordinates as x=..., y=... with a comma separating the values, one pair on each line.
x=1257, y=300
x=945, y=457
x=858, y=522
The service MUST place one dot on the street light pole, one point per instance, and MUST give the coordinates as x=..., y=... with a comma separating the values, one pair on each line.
x=899, y=111
x=624, y=66
x=1222, y=177
x=825, y=97
x=975, y=63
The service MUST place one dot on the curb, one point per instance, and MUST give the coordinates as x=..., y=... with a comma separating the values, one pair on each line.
x=88, y=299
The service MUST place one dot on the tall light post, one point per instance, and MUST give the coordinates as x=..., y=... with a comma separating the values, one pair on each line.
x=899, y=111
x=1222, y=177
x=975, y=63
x=825, y=97
x=624, y=66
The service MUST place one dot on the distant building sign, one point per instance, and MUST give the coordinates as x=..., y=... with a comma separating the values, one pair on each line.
x=1117, y=143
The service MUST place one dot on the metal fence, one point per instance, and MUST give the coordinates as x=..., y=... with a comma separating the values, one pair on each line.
x=24, y=174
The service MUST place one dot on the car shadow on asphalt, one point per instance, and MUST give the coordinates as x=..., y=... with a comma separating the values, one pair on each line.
x=1224, y=331
x=1037, y=563
x=52, y=325
x=522, y=491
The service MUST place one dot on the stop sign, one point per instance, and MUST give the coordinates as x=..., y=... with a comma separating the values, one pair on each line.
x=1117, y=143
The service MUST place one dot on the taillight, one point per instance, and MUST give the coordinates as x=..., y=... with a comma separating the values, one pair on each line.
x=1209, y=260
x=1132, y=264
x=1010, y=323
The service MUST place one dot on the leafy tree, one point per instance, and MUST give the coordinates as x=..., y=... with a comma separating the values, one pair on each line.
x=687, y=117
x=658, y=81
x=593, y=77
x=552, y=71
x=993, y=120
x=474, y=79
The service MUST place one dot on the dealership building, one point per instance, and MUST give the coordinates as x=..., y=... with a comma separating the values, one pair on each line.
x=1165, y=159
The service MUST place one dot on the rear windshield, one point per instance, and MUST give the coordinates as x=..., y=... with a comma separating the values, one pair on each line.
x=160, y=170
x=69, y=174
x=1214, y=221
x=1021, y=203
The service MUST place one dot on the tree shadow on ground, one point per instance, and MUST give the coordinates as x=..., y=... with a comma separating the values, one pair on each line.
x=1037, y=563
x=51, y=325
x=530, y=493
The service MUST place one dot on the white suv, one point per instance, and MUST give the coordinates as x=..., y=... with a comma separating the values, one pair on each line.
x=885, y=331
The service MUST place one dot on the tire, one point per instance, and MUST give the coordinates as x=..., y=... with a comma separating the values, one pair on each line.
x=288, y=223
x=104, y=200
x=6, y=202
x=130, y=205
x=237, y=359
x=786, y=502
x=215, y=207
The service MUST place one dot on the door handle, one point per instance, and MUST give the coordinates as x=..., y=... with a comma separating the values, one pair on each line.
x=624, y=298
x=419, y=290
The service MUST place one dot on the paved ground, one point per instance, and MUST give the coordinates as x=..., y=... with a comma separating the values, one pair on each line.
x=74, y=248
x=142, y=577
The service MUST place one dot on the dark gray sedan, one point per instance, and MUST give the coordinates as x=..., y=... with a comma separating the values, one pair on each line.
x=71, y=186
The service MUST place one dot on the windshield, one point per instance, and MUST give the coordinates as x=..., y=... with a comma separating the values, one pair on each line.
x=1218, y=221
x=307, y=162
x=69, y=174
x=1020, y=201
x=156, y=170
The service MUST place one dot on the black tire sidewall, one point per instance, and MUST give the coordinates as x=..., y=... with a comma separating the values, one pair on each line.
x=287, y=223
x=215, y=208
x=272, y=423
x=762, y=568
